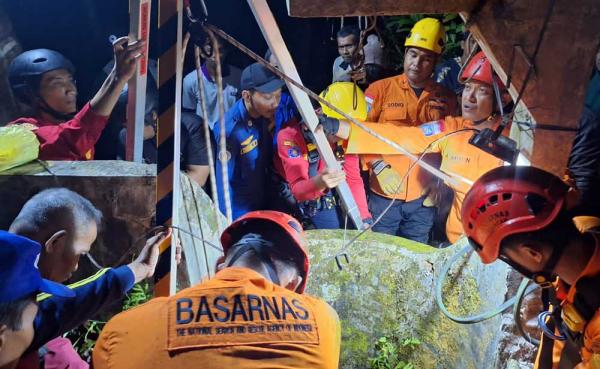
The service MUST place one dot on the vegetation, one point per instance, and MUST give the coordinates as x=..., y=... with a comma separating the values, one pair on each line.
x=393, y=353
x=398, y=27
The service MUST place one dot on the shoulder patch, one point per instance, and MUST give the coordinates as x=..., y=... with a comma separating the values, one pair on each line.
x=432, y=128
x=294, y=152
x=289, y=143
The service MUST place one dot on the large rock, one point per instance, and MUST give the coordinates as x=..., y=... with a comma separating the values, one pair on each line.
x=387, y=290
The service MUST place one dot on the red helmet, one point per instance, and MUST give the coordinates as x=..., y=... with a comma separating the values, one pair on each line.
x=510, y=200
x=284, y=221
x=480, y=69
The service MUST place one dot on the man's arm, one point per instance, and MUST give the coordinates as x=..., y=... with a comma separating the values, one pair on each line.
x=57, y=316
x=355, y=182
x=126, y=57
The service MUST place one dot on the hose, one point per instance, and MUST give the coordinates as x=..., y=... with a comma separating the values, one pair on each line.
x=474, y=318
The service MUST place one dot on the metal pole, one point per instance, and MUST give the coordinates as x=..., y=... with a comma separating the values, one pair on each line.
x=139, y=29
x=272, y=35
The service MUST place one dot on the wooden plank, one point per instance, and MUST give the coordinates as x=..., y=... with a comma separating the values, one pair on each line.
x=345, y=8
x=272, y=35
x=564, y=63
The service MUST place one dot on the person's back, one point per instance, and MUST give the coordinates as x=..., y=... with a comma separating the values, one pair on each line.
x=236, y=320
x=252, y=314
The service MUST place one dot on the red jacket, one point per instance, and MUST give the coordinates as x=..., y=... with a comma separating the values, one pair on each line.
x=71, y=140
x=291, y=162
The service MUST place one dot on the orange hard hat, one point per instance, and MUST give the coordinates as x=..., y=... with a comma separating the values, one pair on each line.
x=285, y=222
x=510, y=200
x=480, y=69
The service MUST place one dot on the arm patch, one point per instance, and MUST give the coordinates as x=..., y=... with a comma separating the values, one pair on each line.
x=432, y=128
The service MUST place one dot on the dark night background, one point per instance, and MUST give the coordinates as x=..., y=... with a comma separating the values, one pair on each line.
x=80, y=29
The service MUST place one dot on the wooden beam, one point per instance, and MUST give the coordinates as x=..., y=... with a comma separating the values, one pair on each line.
x=345, y=8
x=556, y=92
x=272, y=35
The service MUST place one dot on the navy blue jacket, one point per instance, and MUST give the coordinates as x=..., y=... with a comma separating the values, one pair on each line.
x=57, y=316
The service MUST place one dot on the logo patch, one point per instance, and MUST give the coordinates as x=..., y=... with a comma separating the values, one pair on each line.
x=294, y=152
x=248, y=146
x=230, y=316
x=289, y=143
x=432, y=128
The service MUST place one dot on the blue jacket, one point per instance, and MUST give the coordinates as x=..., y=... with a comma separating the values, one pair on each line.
x=57, y=316
x=250, y=152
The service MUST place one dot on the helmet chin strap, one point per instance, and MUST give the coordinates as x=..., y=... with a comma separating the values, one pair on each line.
x=254, y=242
x=43, y=106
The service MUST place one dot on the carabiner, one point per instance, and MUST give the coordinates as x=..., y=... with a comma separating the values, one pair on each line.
x=547, y=332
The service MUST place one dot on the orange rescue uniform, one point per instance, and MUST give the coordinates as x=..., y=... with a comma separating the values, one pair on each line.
x=459, y=158
x=393, y=101
x=238, y=319
x=549, y=354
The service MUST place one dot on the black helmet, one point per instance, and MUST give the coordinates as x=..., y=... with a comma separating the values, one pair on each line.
x=25, y=70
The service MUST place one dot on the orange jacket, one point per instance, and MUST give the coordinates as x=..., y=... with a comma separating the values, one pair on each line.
x=392, y=100
x=549, y=354
x=229, y=321
x=459, y=158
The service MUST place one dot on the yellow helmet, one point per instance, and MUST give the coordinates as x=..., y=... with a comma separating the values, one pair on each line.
x=428, y=34
x=347, y=97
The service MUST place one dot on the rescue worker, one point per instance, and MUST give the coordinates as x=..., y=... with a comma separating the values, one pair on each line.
x=521, y=215
x=249, y=142
x=44, y=80
x=460, y=159
x=409, y=99
x=21, y=281
x=311, y=183
x=252, y=314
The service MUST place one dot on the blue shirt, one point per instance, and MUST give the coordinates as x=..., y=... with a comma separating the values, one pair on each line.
x=447, y=73
x=249, y=151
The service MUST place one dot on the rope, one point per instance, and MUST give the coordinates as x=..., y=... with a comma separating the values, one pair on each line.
x=207, y=133
x=223, y=154
x=429, y=168
x=343, y=250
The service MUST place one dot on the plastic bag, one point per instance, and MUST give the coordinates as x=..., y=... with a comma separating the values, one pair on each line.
x=18, y=145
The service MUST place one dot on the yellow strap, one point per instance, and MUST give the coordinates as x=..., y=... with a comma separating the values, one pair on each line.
x=100, y=273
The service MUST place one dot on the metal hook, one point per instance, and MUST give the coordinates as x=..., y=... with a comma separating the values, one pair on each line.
x=338, y=261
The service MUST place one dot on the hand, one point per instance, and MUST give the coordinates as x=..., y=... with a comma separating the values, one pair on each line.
x=389, y=180
x=144, y=265
x=359, y=75
x=367, y=223
x=439, y=103
x=330, y=125
x=126, y=57
x=329, y=178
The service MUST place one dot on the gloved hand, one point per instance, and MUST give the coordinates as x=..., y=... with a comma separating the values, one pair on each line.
x=389, y=180
x=330, y=125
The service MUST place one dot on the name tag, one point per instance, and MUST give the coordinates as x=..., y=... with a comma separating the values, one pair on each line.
x=228, y=316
